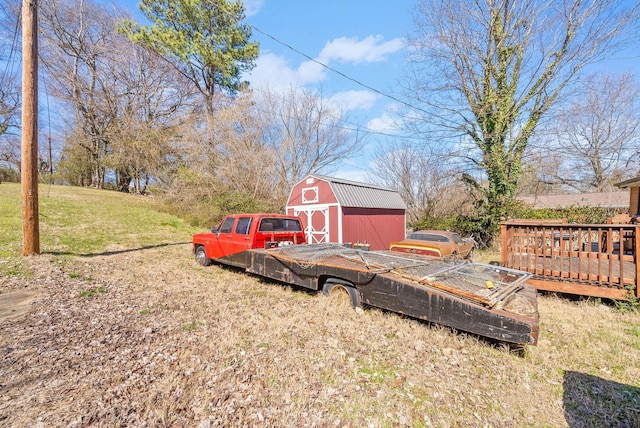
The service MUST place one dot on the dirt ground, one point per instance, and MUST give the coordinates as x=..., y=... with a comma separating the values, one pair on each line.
x=16, y=303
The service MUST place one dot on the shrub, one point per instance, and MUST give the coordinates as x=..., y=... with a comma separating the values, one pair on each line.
x=7, y=174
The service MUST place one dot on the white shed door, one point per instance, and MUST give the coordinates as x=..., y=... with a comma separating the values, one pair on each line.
x=317, y=222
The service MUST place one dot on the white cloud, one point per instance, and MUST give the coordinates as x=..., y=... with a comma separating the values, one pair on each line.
x=278, y=72
x=354, y=100
x=311, y=72
x=252, y=7
x=369, y=49
x=274, y=71
x=387, y=122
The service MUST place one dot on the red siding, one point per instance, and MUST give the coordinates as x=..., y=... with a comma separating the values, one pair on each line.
x=377, y=227
x=334, y=233
x=324, y=196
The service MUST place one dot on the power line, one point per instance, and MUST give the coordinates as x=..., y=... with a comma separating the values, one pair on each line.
x=9, y=65
x=391, y=97
x=357, y=82
x=355, y=126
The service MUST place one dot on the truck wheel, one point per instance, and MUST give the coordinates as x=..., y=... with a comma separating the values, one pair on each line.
x=201, y=256
x=343, y=291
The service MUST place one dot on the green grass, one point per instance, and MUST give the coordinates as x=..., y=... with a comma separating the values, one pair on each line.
x=77, y=221
x=376, y=374
x=94, y=291
x=192, y=326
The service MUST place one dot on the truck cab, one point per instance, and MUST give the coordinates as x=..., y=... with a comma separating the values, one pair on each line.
x=235, y=234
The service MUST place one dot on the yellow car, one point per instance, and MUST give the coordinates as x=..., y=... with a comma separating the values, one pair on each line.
x=435, y=243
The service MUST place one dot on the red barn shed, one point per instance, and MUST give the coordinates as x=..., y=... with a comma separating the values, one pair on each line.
x=343, y=211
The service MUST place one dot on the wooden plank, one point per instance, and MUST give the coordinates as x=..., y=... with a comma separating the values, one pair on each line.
x=637, y=261
x=600, y=239
x=504, y=240
x=580, y=289
x=621, y=249
x=610, y=248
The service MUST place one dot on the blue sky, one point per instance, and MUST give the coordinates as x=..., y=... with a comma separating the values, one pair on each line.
x=363, y=39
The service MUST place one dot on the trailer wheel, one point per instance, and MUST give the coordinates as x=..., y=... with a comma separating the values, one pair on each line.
x=201, y=256
x=342, y=291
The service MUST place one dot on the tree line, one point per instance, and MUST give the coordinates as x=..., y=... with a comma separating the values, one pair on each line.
x=502, y=99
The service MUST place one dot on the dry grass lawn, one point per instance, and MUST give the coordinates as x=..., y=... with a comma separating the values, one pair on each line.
x=140, y=335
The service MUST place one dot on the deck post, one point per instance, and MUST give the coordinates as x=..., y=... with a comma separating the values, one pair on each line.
x=636, y=250
x=503, y=243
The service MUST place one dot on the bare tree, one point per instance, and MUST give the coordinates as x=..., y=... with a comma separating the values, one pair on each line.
x=9, y=104
x=9, y=87
x=124, y=102
x=10, y=153
x=151, y=103
x=420, y=174
x=538, y=164
x=486, y=71
x=78, y=40
x=245, y=161
x=9, y=123
x=596, y=134
x=306, y=133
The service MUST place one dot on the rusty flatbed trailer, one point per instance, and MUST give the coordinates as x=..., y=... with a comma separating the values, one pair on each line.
x=485, y=300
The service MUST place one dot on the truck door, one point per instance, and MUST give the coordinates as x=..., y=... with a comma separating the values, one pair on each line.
x=241, y=240
x=220, y=246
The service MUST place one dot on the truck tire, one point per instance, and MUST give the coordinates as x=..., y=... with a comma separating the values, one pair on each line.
x=335, y=287
x=201, y=256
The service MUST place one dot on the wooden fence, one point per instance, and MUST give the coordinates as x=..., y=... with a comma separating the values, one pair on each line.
x=599, y=260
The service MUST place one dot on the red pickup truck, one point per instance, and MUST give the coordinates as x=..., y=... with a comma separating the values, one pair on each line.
x=235, y=234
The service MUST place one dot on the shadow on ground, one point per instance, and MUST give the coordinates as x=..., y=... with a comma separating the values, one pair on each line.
x=590, y=401
x=113, y=253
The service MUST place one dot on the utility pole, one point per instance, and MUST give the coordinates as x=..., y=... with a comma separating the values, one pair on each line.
x=29, y=161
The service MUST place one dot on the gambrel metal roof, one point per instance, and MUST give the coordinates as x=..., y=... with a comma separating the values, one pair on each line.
x=354, y=194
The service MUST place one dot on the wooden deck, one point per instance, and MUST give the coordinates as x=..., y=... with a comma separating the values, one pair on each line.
x=599, y=260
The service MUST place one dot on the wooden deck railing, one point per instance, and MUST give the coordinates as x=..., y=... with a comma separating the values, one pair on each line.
x=599, y=260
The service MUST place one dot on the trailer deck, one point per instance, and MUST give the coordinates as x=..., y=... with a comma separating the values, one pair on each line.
x=486, y=300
